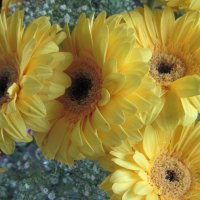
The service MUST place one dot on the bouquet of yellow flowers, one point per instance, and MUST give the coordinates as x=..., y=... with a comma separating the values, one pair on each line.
x=123, y=90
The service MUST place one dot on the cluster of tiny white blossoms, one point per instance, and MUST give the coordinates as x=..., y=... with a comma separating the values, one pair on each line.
x=60, y=182
x=62, y=11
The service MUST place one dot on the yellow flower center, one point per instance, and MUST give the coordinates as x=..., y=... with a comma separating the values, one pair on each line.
x=166, y=68
x=81, y=97
x=171, y=177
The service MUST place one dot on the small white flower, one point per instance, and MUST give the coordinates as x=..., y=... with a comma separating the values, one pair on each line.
x=51, y=196
x=27, y=186
x=84, y=8
x=52, y=1
x=63, y=7
x=9, y=165
x=45, y=190
x=18, y=163
x=92, y=177
x=26, y=165
x=45, y=6
x=86, y=193
x=13, y=183
x=43, y=12
x=66, y=18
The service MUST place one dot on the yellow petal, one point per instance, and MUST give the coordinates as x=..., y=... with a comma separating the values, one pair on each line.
x=50, y=47
x=32, y=106
x=150, y=142
x=123, y=176
x=152, y=197
x=132, y=83
x=130, y=195
x=126, y=105
x=141, y=55
x=99, y=121
x=112, y=113
x=54, y=109
x=54, y=138
x=142, y=188
x=120, y=188
x=115, y=136
x=93, y=139
x=7, y=144
x=196, y=102
x=76, y=137
x=141, y=160
x=74, y=152
x=187, y=86
x=125, y=164
x=98, y=22
x=100, y=45
x=30, y=85
x=109, y=67
x=114, y=82
x=17, y=128
x=106, y=184
x=36, y=123
x=105, y=97
x=27, y=54
x=169, y=117
x=167, y=18
x=41, y=72
x=190, y=112
x=120, y=53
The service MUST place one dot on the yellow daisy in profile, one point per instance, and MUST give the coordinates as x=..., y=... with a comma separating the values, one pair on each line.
x=30, y=71
x=184, y=4
x=163, y=166
x=107, y=74
x=175, y=64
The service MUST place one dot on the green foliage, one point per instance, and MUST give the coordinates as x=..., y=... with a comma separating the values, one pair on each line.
x=30, y=177
x=153, y=3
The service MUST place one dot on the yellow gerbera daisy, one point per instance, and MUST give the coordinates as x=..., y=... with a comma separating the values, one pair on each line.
x=184, y=4
x=175, y=64
x=163, y=166
x=108, y=74
x=30, y=71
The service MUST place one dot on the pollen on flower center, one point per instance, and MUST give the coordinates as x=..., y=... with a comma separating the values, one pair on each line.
x=171, y=177
x=166, y=68
x=82, y=96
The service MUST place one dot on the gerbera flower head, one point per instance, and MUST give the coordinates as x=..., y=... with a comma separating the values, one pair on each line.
x=184, y=4
x=107, y=72
x=174, y=64
x=161, y=166
x=30, y=68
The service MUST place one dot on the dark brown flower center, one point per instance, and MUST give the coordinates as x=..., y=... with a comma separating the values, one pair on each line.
x=80, y=88
x=171, y=175
x=166, y=68
x=81, y=98
x=8, y=76
x=4, y=83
